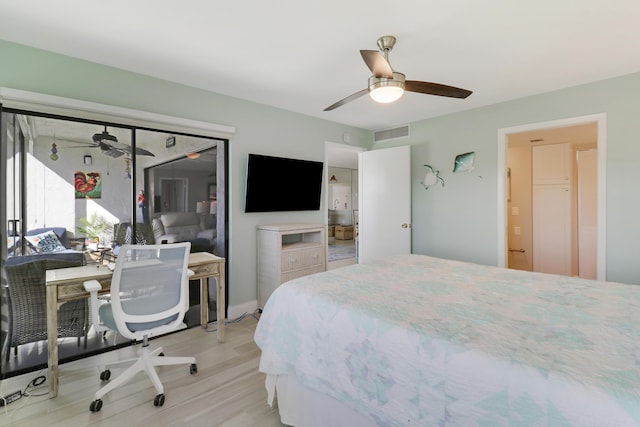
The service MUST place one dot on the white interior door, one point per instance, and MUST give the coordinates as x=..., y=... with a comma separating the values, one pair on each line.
x=587, y=214
x=551, y=229
x=384, y=203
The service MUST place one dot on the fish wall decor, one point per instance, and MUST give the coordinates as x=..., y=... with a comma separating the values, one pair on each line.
x=464, y=162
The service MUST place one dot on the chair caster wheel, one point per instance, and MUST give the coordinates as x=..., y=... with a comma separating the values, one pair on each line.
x=193, y=369
x=96, y=405
x=159, y=400
x=105, y=375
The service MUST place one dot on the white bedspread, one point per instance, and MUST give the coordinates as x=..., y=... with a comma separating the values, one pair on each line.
x=415, y=340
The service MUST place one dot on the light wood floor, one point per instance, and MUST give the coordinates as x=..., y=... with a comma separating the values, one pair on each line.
x=227, y=390
x=336, y=244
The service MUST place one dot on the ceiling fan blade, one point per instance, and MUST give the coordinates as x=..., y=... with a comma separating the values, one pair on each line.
x=377, y=64
x=127, y=149
x=77, y=144
x=347, y=99
x=114, y=152
x=82, y=146
x=143, y=152
x=436, y=89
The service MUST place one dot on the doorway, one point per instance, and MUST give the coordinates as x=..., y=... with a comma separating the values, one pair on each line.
x=515, y=207
x=341, y=201
x=343, y=198
x=173, y=195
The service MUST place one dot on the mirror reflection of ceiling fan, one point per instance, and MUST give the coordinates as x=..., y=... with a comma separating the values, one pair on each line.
x=111, y=147
x=387, y=85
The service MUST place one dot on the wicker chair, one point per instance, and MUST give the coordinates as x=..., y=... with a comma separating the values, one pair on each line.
x=28, y=305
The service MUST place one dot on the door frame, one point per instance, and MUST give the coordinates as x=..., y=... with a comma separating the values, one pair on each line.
x=503, y=135
x=87, y=111
x=330, y=150
x=185, y=192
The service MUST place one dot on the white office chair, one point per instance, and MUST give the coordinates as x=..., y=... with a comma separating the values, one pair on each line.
x=149, y=296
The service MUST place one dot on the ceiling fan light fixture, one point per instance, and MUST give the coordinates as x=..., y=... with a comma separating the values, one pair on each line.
x=386, y=85
x=385, y=90
x=386, y=94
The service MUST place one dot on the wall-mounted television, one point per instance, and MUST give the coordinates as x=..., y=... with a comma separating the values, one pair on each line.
x=282, y=184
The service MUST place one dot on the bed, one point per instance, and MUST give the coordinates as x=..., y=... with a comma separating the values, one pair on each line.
x=413, y=340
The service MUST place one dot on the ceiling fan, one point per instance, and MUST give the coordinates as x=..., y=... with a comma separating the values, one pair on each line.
x=111, y=147
x=387, y=85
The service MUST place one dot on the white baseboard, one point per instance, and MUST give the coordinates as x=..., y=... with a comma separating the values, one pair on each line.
x=234, y=311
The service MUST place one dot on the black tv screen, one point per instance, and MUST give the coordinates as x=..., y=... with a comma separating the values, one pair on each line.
x=282, y=184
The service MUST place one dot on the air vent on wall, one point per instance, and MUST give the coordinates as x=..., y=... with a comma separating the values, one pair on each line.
x=383, y=135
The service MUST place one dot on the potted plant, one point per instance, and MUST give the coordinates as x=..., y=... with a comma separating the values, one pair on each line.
x=94, y=227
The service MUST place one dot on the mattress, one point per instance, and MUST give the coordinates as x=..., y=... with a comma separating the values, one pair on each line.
x=416, y=340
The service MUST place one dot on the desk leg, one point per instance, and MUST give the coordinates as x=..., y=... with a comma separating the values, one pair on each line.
x=221, y=302
x=204, y=302
x=52, y=340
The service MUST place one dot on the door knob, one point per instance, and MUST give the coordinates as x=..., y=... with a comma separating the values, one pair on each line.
x=405, y=225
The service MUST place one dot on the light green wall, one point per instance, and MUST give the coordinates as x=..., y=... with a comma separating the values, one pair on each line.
x=260, y=129
x=460, y=220
x=457, y=221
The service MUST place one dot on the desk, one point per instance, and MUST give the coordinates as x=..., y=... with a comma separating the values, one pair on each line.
x=66, y=284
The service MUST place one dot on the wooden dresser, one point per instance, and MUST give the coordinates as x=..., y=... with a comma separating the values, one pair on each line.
x=288, y=251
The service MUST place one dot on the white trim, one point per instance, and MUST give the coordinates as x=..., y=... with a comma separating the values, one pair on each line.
x=328, y=145
x=20, y=99
x=503, y=133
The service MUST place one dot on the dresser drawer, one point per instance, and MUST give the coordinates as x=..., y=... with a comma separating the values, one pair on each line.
x=286, y=252
x=301, y=273
x=302, y=258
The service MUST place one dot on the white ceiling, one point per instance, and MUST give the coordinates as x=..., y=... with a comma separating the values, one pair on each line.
x=303, y=56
